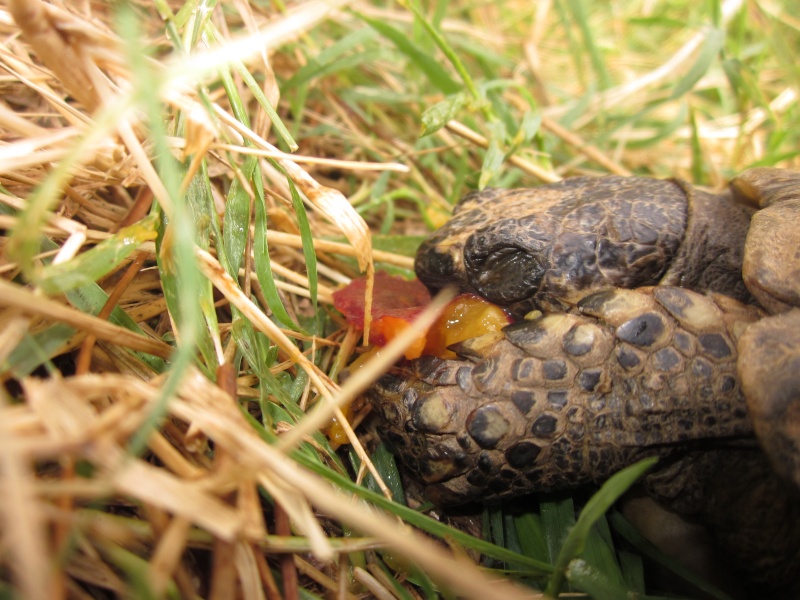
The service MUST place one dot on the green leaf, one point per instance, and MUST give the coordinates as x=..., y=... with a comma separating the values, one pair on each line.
x=531, y=536
x=437, y=116
x=214, y=38
x=448, y=51
x=528, y=128
x=307, y=238
x=178, y=260
x=386, y=466
x=558, y=517
x=578, y=9
x=433, y=69
x=236, y=221
x=597, y=505
x=594, y=582
x=698, y=160
x=632, y=568
x=94, y=264
x=711, y=48
x=263, y=263
x=328, y=61
x=204, y=214
x=599, y=551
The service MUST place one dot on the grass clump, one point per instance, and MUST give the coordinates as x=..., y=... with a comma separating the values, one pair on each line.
x=184, y=185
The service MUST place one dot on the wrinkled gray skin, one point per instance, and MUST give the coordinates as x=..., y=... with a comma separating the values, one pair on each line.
x=607, y=376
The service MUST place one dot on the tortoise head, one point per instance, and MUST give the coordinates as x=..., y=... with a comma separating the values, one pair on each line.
x=549, y=246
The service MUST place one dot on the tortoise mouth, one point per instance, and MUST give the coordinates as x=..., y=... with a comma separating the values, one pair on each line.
x=505, y=276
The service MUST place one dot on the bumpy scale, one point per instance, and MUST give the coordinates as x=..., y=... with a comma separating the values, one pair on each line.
x=566, y=399
x=607, y=377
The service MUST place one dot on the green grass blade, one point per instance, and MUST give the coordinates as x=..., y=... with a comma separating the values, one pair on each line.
x=530, y=534
x=263, y=263
x=698, y=160
x=595, y=582
x=578, y=10
x=597, y=505
x=437, y=116
x=307, y=238
x=179, y=261
x=236, y=221
x=24, y=240
x=35, y=350
x=712, y=44
x=599, y=551
x=495, y=155
x=632, y=570
x=386, y=466
x=433, y=70
x=446, y=49
x=97, y=262
x=332, y=59
x=558, y=517
x=204, y=214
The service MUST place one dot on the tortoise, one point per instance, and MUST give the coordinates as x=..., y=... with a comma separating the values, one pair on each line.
x=656, y=319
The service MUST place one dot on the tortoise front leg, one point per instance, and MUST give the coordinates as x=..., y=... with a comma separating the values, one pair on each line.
x=769, y=351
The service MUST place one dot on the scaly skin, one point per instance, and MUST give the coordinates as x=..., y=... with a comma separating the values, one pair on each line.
x=606, y=378
x=569, y=399
x=546, y=247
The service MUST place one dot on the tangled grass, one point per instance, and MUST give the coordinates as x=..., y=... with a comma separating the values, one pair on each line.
x=182, y=187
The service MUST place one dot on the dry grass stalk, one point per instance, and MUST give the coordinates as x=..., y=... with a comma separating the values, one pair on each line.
x=79, y=161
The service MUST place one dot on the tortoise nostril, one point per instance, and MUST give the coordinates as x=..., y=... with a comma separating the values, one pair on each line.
x=435, y=267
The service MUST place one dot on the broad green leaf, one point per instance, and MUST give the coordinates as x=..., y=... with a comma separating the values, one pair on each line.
x=34, y=350
x=557, y=517
x=528, y=128
x=387, y=468
x=632, y=568
x=599, y=551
